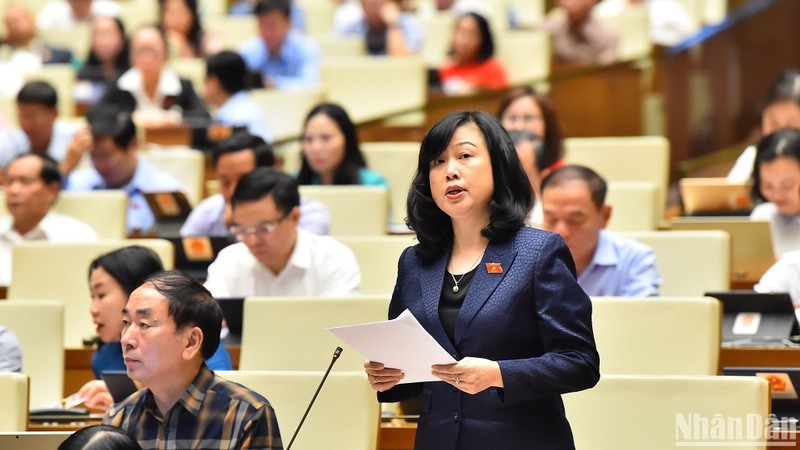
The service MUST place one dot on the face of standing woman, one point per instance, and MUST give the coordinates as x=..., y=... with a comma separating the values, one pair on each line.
x=462, y=183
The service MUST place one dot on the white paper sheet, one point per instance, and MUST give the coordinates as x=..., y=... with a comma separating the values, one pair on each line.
x=400, y=343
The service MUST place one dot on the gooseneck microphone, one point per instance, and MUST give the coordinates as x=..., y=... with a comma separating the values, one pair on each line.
x=336, y=355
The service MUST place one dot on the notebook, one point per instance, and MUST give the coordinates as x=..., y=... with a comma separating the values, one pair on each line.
x=715, y=196
x=784, y=383
x=752, y=319
x=193, y=255
x=120, y=386
x=27, y=440
x=751, y=243
x=232, y=311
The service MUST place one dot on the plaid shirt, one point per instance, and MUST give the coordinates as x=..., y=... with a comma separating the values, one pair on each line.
x=213, y=414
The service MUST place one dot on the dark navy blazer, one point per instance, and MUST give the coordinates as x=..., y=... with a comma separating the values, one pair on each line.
x=533, y=319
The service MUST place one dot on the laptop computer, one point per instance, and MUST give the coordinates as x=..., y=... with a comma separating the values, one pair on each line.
x=755, y=319
x=715, y=196
x=120, y=386
x=28, y=440
x=784, y=384
x=751, y=243
x=170, y=210
x=232, y=311
x=193, y=255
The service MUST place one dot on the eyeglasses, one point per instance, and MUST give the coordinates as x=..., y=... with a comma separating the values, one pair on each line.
x=258, y=230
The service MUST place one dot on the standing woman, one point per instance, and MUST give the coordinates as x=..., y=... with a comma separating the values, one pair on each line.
x=472, y=64
x=500, y=297
x=529, y=110
x=330, y=150
x=112, y=278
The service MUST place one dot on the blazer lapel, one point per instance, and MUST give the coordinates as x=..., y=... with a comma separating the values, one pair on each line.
x=486, y=279
x=431, y=279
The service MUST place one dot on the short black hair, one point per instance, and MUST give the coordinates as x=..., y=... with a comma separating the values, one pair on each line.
x=38, y=92
x=99, y=437
x=348, y=171
x=785, y=88
x=782, y=143
x=486, y=50
x=520, y=136
x=242, y=140
x=109, y=121
x=50, y=172
x=511, y=201
x=128, y=266
x=267, y=6
x=597, y=185
x=265, y=181
x=229, y=68
x=190, y=304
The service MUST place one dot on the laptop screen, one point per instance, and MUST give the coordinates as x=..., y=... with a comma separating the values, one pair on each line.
x=120, y=386
x=232, y=309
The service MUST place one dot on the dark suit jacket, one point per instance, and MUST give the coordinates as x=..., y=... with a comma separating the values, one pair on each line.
x=192, y=106
x=533, y=319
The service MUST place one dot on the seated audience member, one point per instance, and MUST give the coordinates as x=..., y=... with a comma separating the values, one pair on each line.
x=331, y=154
x=65, y=14
x=283, y=57
x=112, y=279
x=23, y=45
x=531, y=155
x=386, y=29
x=171, y=323
x=783, y=277
x=472, y=64
x=579, y=37
x=180, y=21
x=99, y=437
x=32, y=186
x=233, y=158
x=41, y=132
x=10, y=351
x=109, y=57
x=225, y=85
x=776, y=183
x=526, y=109
x=274, y=257
x=154, y=92
x=607, y=264
x=781, y=111
x=246, y=8
x=669, y=20
x=115, y=165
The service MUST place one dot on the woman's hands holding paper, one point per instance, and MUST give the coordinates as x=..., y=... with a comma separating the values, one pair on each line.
x=470, y=375
x=382, y=378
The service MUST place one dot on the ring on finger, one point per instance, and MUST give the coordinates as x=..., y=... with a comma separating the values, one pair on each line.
x=458, y=379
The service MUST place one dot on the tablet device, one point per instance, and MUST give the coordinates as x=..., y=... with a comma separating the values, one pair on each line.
x=194, y=254
x=754, y=318
x=168, y=206
x=119, y=385
x=714, y=196
x=232, y=311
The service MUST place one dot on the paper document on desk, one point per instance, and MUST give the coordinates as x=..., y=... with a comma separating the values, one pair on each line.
x=399, y=343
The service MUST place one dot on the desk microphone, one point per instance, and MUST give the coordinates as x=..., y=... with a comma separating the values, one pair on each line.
x=336, y=354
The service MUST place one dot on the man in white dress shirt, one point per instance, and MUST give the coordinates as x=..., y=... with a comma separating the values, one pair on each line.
x=31, y=189
x=274, y=257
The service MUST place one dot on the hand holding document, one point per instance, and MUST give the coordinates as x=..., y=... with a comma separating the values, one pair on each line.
x=399, y=343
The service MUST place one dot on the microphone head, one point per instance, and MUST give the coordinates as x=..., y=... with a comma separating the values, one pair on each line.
x=337, y=352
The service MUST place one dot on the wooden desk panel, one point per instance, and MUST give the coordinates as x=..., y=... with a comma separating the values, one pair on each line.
x=759, y=357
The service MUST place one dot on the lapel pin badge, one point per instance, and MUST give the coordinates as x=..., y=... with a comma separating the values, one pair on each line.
x=494, y=268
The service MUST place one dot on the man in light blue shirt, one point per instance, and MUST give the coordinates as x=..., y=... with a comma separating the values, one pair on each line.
x=225, y=89
x=233, y=158
x=386, y=30
x=116, y=166
x=607, y=264
x=10, y=351
x=40, y=131
x=283, y=57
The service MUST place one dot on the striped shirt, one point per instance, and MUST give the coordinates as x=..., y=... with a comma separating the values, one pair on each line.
x=213, y=414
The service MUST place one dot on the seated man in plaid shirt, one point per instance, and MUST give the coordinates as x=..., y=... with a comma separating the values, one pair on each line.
x=171, y=323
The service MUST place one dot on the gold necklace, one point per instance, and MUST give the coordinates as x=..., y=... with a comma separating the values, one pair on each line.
x=455, y=288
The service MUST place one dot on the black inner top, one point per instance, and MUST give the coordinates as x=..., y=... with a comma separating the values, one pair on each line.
x=450, y=302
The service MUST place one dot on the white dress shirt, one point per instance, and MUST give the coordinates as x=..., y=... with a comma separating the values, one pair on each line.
x=53, y=227
x=318, y=266
x=785, y=230
x=783, y=277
